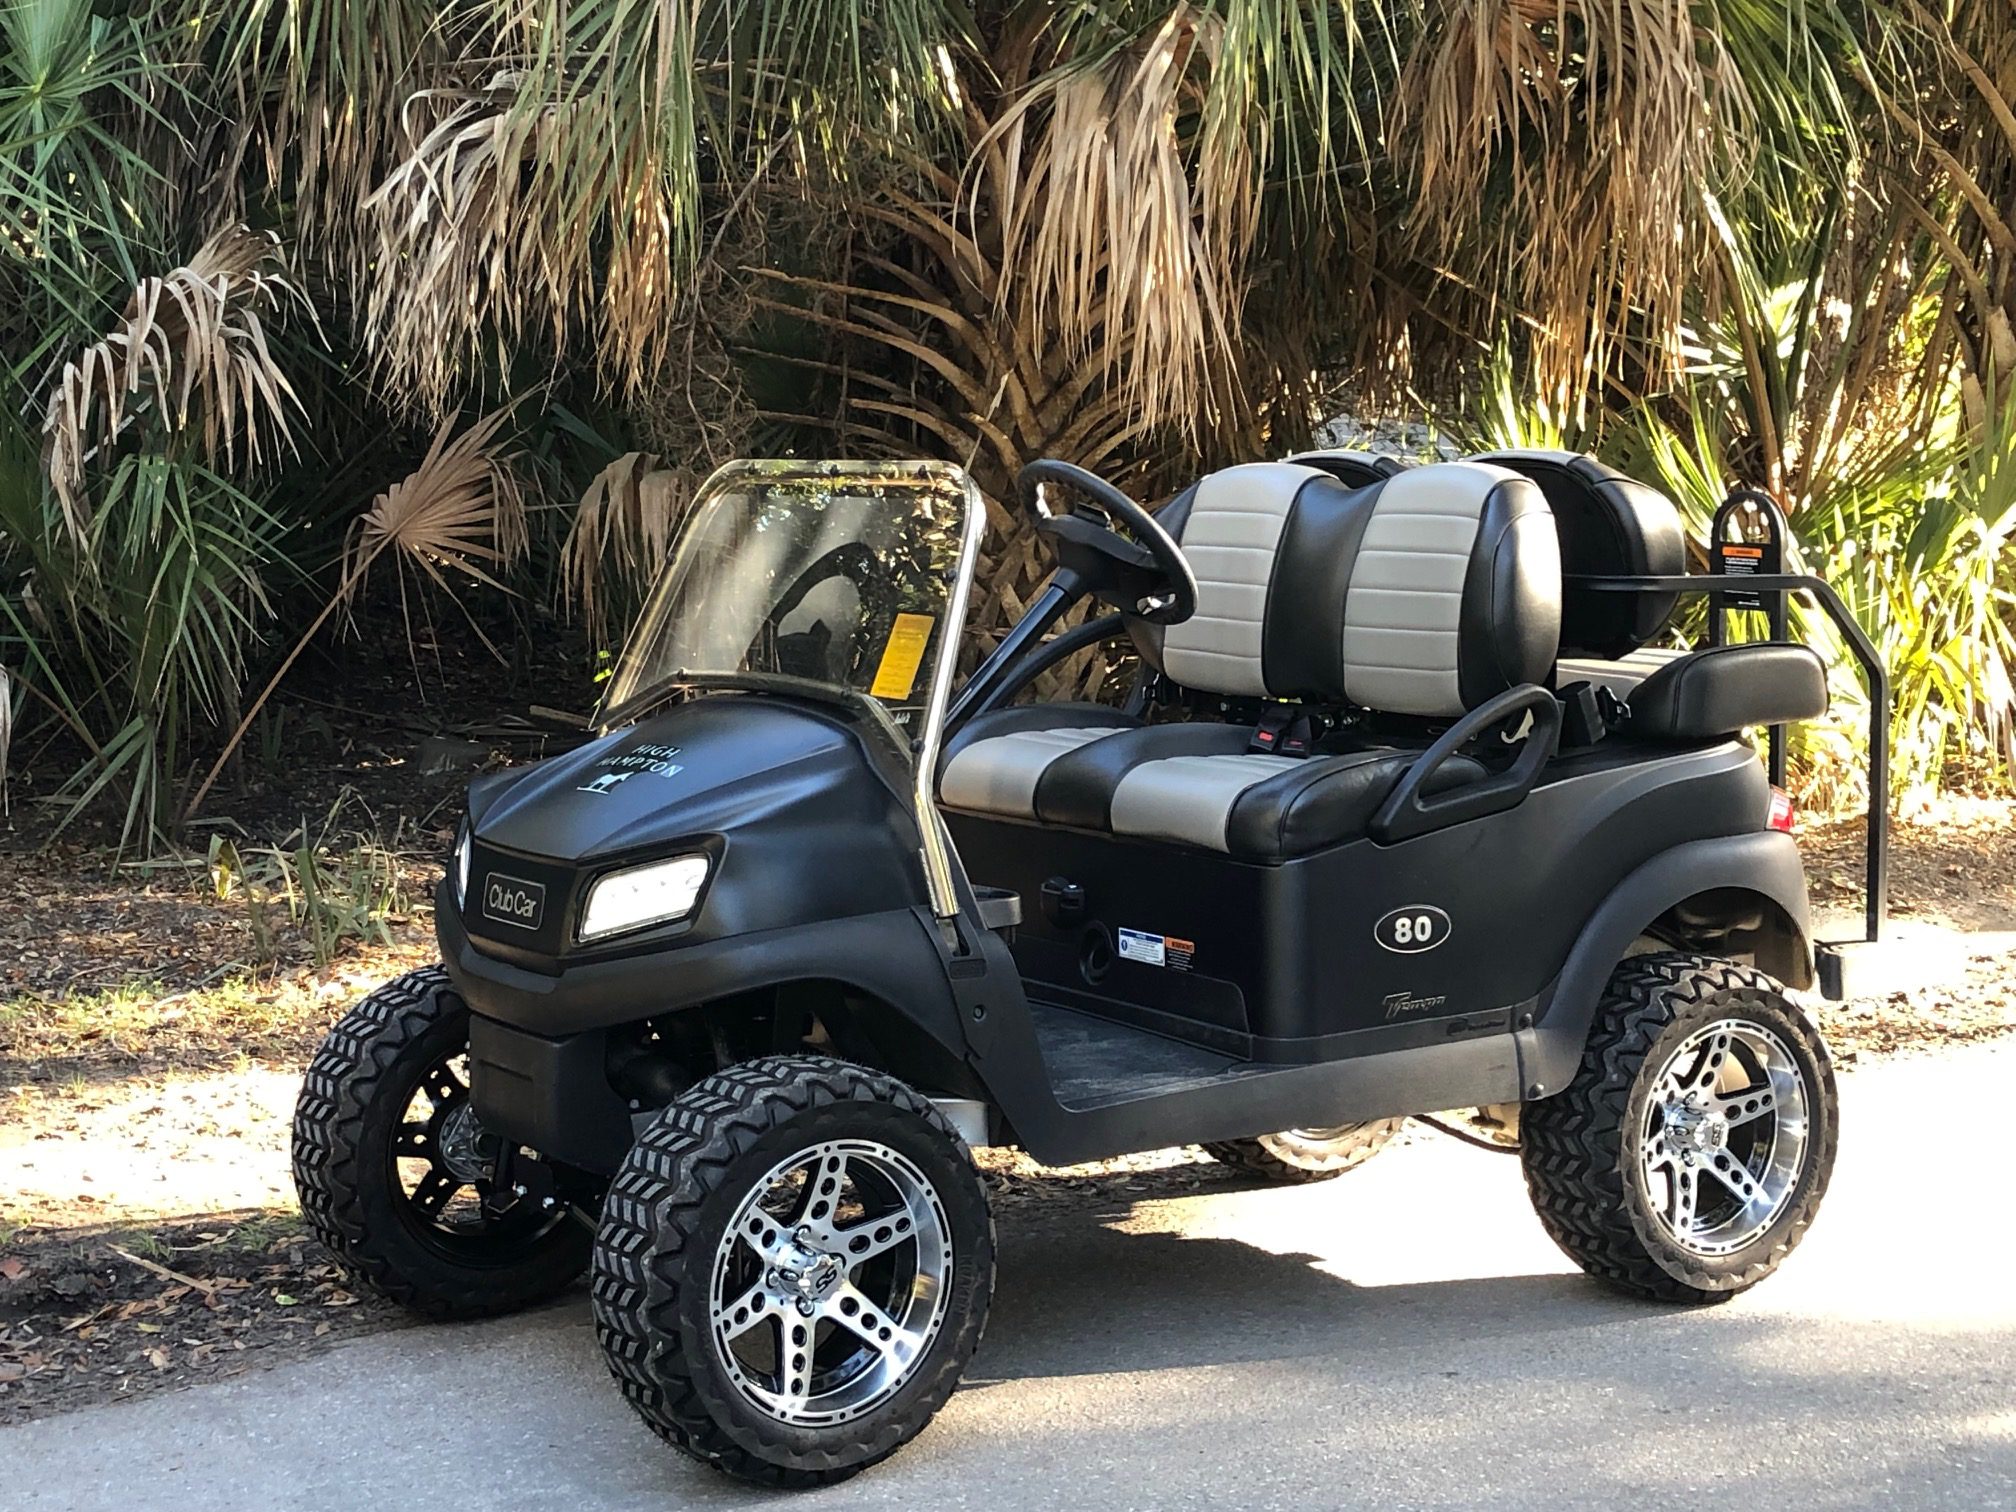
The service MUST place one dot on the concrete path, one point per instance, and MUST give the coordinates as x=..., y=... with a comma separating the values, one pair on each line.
x=1405, y=1337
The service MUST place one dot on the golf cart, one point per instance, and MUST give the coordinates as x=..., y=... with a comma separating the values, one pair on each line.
x=1394, y=819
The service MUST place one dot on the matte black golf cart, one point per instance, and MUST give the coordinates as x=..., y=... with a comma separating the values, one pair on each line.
x=1395, y=819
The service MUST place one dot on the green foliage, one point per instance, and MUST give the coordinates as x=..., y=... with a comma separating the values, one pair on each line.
x=1723, y=241
x=142, y=626
x=330, y=886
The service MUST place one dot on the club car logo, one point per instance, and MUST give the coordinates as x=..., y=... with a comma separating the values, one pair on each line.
x=514, y=901
x=1413, y=929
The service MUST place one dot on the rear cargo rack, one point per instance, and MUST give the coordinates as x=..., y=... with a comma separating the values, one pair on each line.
x=1747, y=576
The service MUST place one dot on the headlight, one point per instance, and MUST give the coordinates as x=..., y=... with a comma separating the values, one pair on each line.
x=462, y=865
x=654, y=894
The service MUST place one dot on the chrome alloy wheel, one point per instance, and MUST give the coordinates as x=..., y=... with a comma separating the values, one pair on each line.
x=1724, y=1140
x=831, y=1282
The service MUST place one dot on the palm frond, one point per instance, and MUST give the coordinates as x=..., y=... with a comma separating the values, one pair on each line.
x=1109, y=241
x=620, y=535
x=1556, y=149
x=190, y=354
x=462, y=507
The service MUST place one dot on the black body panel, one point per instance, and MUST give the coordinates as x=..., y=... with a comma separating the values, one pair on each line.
x=1282, y=963
x=797, y=805
x=1285, y=1010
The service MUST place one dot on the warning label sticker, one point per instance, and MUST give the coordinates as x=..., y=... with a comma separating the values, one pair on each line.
x=896, y=676
x=1148, y=949
x=1156, y=950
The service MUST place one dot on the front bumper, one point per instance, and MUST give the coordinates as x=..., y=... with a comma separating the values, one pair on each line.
x=888, y=955
x=551, y=1094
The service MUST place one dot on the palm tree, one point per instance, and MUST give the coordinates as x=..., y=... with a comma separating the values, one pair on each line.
x=1148, y=236
x=1137, y=234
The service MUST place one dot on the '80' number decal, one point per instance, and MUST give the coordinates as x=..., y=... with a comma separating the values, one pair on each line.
x=1412, y=929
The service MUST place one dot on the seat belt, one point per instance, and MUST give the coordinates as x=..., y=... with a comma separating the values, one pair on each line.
x=1284, y=730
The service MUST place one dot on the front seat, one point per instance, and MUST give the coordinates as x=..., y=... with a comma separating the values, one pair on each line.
x=1426, y=593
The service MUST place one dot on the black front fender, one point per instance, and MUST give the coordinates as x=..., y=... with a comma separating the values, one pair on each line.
x=890, y=956
x=1764, y=864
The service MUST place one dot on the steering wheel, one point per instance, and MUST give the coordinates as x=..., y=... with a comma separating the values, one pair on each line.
x=1147, y=577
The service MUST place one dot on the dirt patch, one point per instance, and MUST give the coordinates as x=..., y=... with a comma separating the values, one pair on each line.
x=106, y=1314
x=1953, y=898
x=1952, y=864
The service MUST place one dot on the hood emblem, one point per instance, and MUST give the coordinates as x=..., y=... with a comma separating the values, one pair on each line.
x=655, y=759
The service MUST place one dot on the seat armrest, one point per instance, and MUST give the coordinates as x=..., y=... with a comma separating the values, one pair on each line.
x=1408, y=811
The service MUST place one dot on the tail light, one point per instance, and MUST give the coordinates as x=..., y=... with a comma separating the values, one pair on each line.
x=1781, y=810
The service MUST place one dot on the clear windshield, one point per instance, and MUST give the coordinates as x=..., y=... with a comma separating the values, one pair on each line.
x=841, y=577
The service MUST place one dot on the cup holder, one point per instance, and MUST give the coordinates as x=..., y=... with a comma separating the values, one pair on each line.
x=1095, y=954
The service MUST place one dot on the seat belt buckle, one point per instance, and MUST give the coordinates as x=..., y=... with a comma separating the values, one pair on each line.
x=1284, y=730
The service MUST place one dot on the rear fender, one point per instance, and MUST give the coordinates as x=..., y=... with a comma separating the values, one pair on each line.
x=1741, y=896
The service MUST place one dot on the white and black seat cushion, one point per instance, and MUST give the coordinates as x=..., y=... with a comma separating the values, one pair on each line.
x=997, y=762
x=1424, y=593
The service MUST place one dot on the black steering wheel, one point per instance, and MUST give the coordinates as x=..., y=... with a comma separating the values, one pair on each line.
x=1147, y=577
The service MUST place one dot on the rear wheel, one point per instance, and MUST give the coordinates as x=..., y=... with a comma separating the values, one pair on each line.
x=794, y=1266
x=1298, y=1155
x=1691, y=1151
x=401, y=1181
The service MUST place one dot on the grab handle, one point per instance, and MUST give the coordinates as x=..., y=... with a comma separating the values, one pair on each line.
x=1407, y=812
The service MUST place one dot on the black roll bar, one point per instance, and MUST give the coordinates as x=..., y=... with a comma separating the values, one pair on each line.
x=1777, y=585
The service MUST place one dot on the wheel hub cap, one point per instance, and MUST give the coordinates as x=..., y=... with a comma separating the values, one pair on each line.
x=830, y=1282
x=1724, y=1142
x=1696, y=1132
x=806, y=1273
x=467, y=1148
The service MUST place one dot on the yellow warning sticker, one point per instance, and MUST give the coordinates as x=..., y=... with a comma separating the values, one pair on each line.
x=901, y=658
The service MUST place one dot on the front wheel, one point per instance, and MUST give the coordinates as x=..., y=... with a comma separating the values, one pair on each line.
x=401, y=1181
x=1689, y=1154
x=794, y=1266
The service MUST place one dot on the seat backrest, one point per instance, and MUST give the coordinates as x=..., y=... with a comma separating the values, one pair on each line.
x=1610, y=525
x=1426, y=592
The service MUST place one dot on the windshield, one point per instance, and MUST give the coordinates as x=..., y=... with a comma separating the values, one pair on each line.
x=840, y=577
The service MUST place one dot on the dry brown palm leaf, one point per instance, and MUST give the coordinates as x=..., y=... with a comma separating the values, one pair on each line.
x=1558, y=149
x=620, y=535
x=1127, y=241
x=190, y=351
x=462, y=507
x=539, y=200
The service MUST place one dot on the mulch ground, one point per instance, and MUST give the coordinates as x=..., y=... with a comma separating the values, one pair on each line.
x=86, y=1316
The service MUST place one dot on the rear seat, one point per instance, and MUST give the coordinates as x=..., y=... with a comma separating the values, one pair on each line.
x=1614, y=526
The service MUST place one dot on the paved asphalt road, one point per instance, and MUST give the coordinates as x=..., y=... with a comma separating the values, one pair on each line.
x=1405, y=1337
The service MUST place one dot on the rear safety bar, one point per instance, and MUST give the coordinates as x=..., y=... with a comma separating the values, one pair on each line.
x=1747, y=589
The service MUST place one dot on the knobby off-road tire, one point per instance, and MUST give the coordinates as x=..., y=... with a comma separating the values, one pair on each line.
x=688, y=1206
x=1301, y=1155
x=1586, y=1149
x=353, y=1136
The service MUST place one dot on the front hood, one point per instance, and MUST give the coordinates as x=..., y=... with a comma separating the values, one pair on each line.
x=706, y=766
